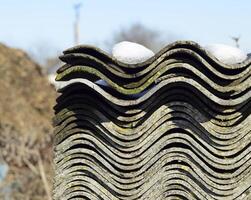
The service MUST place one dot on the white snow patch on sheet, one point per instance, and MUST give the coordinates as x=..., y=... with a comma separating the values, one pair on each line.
x=226, y=54
x=131, y=53
x=51, y=78
x=101, y=82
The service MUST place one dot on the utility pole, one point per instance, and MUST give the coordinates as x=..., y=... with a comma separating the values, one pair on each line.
x=236, y=40
x=76, y=23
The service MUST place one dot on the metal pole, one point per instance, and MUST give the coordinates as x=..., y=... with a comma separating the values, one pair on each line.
x=76, y=23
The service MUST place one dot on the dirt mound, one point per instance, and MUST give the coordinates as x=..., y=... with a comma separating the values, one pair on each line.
x=26, y=98
x=26, y=102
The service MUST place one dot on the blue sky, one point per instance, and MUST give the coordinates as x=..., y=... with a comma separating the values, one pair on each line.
x=49, y=23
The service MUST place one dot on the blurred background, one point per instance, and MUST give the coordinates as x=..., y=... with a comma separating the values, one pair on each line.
x=34, y=33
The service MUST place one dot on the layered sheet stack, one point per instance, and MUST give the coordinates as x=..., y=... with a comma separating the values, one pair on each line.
x=177, y=126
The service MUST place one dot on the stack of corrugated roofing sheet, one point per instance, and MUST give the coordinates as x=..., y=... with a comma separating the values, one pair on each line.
x=174, y=127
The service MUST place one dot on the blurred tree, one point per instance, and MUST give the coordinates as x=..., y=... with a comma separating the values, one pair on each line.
x=45, y=54
x=52, y=64
x=138, y=33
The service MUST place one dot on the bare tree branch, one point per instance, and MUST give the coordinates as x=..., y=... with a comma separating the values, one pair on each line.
x=138, y=33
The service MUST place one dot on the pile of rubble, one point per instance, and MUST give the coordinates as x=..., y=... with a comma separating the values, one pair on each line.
x=26, y=103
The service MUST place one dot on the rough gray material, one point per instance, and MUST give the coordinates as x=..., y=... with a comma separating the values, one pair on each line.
x=187, y=136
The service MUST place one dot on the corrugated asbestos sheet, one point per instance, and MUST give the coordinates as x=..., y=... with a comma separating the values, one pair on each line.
x=174, y=127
